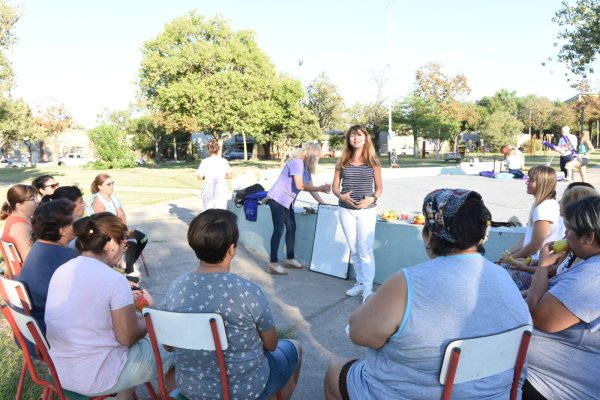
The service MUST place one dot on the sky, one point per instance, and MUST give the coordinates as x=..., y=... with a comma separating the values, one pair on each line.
x=86, y=54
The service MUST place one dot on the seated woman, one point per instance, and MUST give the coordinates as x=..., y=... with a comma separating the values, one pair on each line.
x=52, y=231
x=97, y=339
x=544, y=222
x=72, y=193
x=17, y=210
x=408, y=322
x=565, y=346
x=103, y=199
x=45, y=185
x=263, y=364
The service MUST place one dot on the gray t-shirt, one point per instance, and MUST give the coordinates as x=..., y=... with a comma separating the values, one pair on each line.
x=566, y=365
x=245, y=311
x=452, y=297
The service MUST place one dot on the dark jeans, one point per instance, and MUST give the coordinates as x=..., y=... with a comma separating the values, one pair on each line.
x=134, y=249
x=563, y=161
x=517, y=173
x=282, y=217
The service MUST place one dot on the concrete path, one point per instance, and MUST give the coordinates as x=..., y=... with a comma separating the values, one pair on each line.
x=310, y=304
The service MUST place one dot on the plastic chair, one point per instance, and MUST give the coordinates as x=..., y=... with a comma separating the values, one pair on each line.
x=15, y=294
x=26, y=327
x=485, y=356
x=12, y=259
x=194, y=331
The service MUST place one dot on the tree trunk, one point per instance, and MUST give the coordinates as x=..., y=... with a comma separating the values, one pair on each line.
x=245, y=146
x=55, y=155
x=267, y=147
x=415, y=145
x=157, y=151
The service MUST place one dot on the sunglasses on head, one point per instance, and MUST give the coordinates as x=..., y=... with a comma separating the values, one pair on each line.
x=53, y=186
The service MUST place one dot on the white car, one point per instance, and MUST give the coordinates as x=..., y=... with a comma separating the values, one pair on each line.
x=75, y=159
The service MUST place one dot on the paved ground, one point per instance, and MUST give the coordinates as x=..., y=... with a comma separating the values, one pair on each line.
x=311, y=304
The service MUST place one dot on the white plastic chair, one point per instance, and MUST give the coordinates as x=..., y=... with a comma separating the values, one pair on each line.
x=471, y=359
x=194, y=331
x=15, y=294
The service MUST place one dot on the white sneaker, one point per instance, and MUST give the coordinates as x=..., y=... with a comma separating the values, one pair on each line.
x=355, y=290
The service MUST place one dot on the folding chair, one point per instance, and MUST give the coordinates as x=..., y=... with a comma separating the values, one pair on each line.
x=194, y=331
x=26, y=327
x=485, y=356
x=12, y=259
x=15, y=294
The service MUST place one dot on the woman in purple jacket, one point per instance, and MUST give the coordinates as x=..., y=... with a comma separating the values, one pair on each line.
x=295, y=176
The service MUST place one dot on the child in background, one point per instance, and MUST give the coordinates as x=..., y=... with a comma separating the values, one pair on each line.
x=514, y=164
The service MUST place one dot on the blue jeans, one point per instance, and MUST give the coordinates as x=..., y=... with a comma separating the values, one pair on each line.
x=282, y=217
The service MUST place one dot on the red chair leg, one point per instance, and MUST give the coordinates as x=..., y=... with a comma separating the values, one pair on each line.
x=21, y=380
x=144, y=263
x=150, y=389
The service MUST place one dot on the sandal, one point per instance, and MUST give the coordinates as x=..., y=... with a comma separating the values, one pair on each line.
x=276, y=269
x=293, y=263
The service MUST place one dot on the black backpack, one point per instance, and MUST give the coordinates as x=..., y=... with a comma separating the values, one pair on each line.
x=242, y=193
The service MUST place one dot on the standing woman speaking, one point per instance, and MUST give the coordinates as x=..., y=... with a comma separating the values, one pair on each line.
x=357, y=183
x=295, y=177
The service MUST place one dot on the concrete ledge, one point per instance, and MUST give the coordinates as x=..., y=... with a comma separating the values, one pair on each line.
x=397, y=245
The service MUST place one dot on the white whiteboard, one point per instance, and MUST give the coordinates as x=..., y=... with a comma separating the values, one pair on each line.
x=330, y=254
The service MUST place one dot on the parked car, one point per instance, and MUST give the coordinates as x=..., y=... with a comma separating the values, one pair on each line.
x=75, y=159
x=235, y=154
x=140, y=161
x=8, y=163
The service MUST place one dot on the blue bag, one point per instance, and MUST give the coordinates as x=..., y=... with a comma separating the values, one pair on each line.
x=251, y=204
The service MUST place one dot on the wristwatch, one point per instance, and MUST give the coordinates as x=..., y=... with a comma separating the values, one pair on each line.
x=375, y=197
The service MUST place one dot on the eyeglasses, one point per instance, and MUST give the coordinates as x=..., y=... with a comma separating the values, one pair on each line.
x=109, y=183
x=53, y=186
x=34, y=199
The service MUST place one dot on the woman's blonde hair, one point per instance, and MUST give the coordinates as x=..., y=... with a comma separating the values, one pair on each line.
x=545, y=183
x=585, y=134
x=310, y=155
x=98, y=180
x=368, y=151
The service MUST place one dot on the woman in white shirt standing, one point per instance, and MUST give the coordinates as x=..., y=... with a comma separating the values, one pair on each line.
x=214, y=170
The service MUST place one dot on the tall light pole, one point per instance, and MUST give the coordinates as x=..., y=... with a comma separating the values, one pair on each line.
x=389, y=67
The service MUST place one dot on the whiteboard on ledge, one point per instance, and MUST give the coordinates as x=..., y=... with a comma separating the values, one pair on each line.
x=330, y=254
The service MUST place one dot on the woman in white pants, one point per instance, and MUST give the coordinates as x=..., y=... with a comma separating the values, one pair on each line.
x=357, y=184
x=214, y=170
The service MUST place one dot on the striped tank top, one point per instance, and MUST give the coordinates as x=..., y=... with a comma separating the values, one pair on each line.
x=359, y=180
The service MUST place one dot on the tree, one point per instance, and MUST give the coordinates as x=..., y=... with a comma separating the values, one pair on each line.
x=420, y=115
x=500, y=128
x=200, y=75
x=580, y=32
x=502, y=100
x=8, y=18
x=54, y=119
x=111, y=146
x=323, y=99
x=446, y=92
x=148, y=134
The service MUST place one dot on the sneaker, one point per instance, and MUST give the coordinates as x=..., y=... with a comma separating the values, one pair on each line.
x=276, y=269
x=355, y=290
x=293, y=263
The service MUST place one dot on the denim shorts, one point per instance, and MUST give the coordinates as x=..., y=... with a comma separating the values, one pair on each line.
x=282, y=363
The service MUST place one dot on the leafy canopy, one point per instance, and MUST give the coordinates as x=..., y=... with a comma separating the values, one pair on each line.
x=203, y=76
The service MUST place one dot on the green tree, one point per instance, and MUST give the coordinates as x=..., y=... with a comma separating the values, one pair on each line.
x=580, y=34
x=17, y=125
x=420, y=116
x=501, y=127
x=9, y=16
x=148, y=135
x=323, y=99
x=111, y=147
x=447, y=92
x=502, y=100
x=54, y=119
x=200, y=75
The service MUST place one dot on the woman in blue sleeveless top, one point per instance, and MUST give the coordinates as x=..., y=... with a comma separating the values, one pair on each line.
x=407, y=324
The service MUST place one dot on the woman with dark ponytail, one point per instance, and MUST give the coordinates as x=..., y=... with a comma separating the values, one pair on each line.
x=91, y=320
